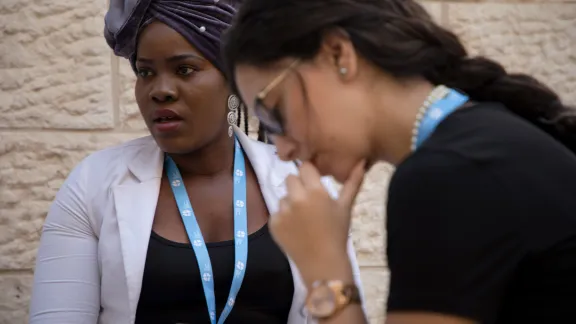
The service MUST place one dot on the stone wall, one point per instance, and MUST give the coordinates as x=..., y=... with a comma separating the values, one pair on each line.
x=63, y=95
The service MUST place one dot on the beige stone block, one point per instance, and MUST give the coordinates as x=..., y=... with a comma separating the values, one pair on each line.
x=130, y=117
x=54, y=65
x=434, y=8
x=375, y=284
x=368, y=218
x=32, y=168
x=15, y=297
x=539, y=39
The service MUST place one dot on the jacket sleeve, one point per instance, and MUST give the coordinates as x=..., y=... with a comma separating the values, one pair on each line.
x=66, y=286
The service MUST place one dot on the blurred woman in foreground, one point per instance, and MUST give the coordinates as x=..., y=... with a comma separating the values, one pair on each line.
x=481, y=209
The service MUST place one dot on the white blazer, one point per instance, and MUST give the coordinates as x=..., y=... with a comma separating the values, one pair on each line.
x=93, y=248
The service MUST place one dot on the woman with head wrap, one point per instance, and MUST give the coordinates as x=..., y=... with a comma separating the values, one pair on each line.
x=171, y=228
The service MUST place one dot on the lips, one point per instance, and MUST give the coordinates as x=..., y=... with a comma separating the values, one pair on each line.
x=165, y=116
x=166, y=121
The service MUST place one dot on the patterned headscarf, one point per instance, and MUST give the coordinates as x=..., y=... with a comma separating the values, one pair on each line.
x=201, y=22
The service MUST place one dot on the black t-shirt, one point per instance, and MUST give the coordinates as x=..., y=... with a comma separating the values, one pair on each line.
x=172, y=291
x=482, y=222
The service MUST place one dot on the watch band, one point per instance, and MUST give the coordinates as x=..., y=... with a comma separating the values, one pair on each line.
x=352, y=293
x=327, y=297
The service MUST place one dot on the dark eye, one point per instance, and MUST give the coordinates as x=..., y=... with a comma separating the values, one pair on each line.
x=143, y=73
x=186, y=70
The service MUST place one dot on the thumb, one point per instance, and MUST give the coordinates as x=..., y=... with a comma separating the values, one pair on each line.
x=352, y=185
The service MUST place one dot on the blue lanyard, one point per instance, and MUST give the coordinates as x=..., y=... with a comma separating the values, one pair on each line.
x=438, y=111
x=197, y=241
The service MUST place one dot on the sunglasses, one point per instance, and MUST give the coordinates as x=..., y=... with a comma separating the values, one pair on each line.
x=270, y=118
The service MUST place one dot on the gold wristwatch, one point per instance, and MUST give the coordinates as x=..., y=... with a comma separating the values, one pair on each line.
x=327, y=297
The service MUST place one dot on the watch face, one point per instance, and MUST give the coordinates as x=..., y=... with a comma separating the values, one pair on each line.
x=321, y=302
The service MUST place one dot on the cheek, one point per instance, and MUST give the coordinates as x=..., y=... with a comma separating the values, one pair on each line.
x=340, y=143
x=320, y=100
x=312, y=123
x=338, y=159
x=342, y=135
x=140, y=95
x=339, y=122
x=205, y=96
x=297, y=124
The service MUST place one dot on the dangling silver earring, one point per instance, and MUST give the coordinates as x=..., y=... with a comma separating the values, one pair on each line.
x=233, y=104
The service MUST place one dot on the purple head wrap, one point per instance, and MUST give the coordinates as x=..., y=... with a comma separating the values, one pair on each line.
x=201, y=22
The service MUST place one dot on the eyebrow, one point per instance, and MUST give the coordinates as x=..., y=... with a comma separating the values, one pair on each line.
x=173, y=58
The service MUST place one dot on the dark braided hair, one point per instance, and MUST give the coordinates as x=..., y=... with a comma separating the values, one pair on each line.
x=401, y=38
x=241, y=110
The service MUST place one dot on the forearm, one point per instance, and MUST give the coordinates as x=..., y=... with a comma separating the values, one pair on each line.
x=352, y=314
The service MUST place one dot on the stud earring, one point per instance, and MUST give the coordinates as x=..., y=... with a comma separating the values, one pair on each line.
x=343, y=71
x=233, y=104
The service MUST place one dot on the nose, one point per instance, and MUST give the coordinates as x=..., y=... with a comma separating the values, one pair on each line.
x=163, y=90
x=287, y=149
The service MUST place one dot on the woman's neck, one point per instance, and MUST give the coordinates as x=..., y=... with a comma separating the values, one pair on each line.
x=396, y=112
x=214, y=159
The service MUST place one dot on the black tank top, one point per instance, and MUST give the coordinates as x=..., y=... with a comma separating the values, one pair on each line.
x=172, y=292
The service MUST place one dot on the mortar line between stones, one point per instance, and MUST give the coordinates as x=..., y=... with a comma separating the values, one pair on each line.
x=16, y=271
x=72, y=131
x=444, y=9
x=115, y=89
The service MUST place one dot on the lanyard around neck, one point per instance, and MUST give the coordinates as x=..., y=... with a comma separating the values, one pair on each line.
x=197, y=240
x=438, y=111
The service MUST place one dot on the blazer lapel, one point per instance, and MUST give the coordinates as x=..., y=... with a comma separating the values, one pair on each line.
x=135, y=201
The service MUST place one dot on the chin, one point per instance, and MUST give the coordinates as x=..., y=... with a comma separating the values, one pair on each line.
x=339, y=171
x=341, y=176
x=173, y=145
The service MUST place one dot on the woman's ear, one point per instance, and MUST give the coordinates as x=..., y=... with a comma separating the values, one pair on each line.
x=338, y=51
